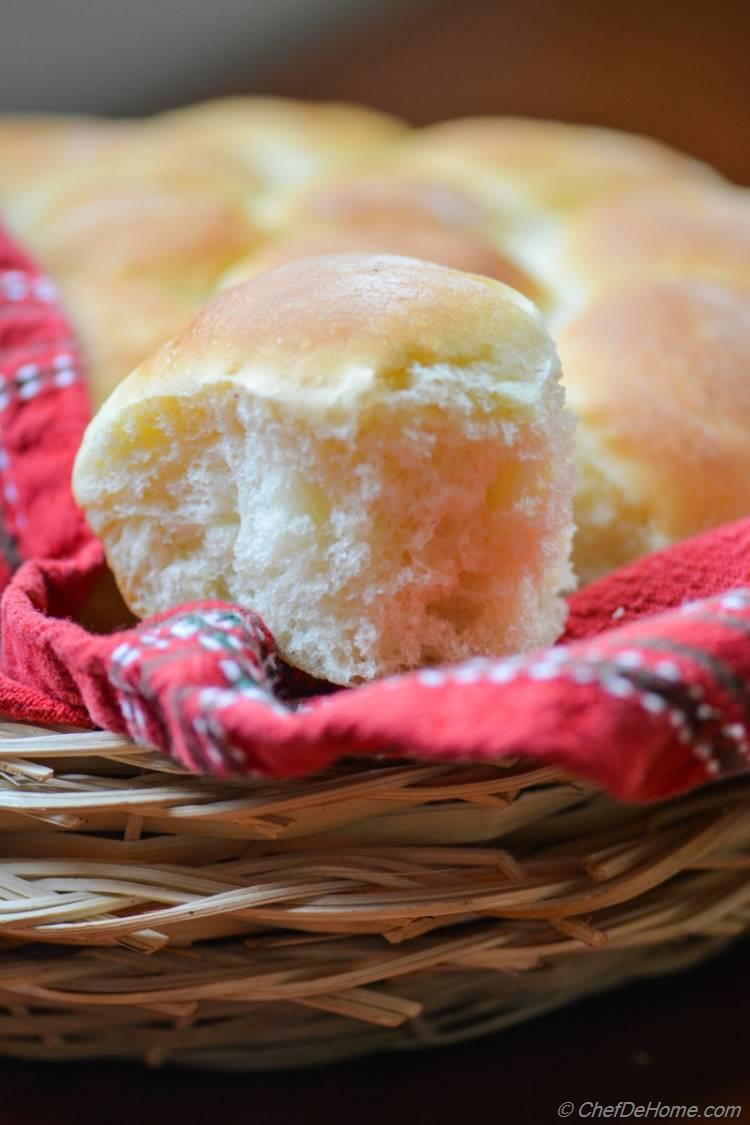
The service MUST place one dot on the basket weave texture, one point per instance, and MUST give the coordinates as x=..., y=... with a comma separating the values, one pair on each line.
x=147, y=913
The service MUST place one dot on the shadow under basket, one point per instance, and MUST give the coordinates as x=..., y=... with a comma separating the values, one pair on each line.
x=146, y=913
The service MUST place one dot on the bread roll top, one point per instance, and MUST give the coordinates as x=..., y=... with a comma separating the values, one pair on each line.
x=324, y=330
x=426, y=239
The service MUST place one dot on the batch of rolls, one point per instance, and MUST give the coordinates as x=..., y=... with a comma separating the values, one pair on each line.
x=360, y=431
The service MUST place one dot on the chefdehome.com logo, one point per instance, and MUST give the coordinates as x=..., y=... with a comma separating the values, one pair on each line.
x=647, y=1111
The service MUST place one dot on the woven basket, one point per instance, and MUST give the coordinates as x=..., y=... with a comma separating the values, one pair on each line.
x=146, y=913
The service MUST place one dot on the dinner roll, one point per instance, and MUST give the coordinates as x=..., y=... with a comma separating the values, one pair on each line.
x=129, y=219
x=35, y=148
x=282, y=143
x=686, y=230
x=657, y=375
x=548, y=165
x=387, y=194
x=370, y=451
x=427, y=239
x=118, y=322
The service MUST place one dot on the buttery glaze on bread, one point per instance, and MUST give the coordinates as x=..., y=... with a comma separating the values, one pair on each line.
x=371, y=451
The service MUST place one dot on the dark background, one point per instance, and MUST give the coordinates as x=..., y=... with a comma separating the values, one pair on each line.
x=680, y=71
x=677, y=69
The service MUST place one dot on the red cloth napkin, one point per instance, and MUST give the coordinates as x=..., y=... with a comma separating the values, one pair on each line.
x=647, y=695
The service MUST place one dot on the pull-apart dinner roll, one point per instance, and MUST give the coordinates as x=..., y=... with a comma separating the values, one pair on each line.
x=684, y=231
x=137, y=220
x=282, y=143
x=658, y=374
x=371, y=451
x=429, y=240
x=118, y=322
x=37, y=149
x=132, y=222
x=548, y=165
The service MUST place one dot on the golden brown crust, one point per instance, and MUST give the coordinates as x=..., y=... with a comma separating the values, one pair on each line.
x=358, y=309
x=138, y=218
x=427, y=240
x=657, y=373
x=389, y=196
x=681, y=231
x=119, y=322
x=282, y=142
x=548, y=163
x=35, y=148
